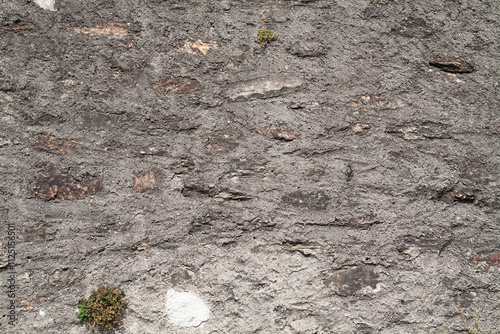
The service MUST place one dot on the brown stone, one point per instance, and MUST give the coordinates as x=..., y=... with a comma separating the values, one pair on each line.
x=485, y=264
x=360, y=128
x=467, y=195
x=142, y=247
x=349, y=281
x=280, y=133
x=127, y=44
x=198, y=47
x=17, y=27
x=452, y=65
x=184, y=275
x=52, y=183
x=189, y=275
x=177, y=85
x=222, y=143
x=146, y=181
x=28, y=304
x=106, y=28
x=52, y=144
x=175, y=278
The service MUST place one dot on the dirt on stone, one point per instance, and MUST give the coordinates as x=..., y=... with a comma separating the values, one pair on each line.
x=344, y=179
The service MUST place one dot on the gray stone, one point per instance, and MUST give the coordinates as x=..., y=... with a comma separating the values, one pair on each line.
x=262, y=88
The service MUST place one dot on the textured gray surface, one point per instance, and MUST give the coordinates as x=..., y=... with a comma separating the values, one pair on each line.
x=333, y=182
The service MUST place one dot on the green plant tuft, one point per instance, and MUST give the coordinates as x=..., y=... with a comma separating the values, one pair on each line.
x=265, y=36
x=477, y=329
x=103, y=309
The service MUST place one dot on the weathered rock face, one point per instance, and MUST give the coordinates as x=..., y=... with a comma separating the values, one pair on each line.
x=344, y=179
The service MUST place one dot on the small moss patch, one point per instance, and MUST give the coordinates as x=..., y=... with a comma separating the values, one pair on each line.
x=265, y=36
x=103, y=309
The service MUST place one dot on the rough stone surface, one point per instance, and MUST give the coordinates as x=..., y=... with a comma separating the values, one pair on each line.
x=332, y=182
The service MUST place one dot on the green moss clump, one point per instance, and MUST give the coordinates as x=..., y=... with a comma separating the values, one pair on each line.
x=103, y=309
x=265, y=36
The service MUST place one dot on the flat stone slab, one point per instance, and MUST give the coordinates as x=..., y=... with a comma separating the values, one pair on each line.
x=349, y=281
x=262, y=88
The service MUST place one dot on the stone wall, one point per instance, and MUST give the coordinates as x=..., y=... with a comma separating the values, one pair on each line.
x=343, y=179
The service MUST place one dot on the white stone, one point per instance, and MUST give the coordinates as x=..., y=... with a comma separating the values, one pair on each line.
x=185, y=309
x=46, y=4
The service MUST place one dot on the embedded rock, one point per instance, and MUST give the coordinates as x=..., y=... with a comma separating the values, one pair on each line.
x=185, y=309
x=262, y=88
x=46, y=4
